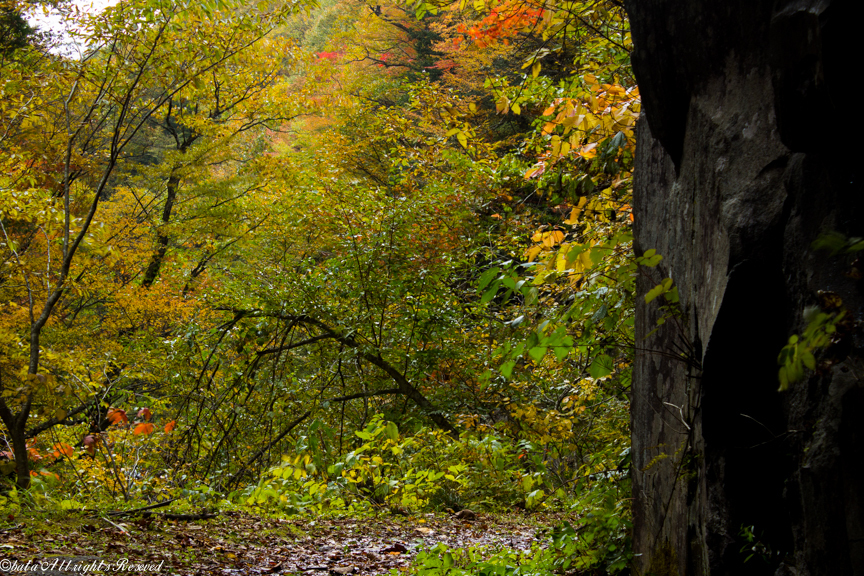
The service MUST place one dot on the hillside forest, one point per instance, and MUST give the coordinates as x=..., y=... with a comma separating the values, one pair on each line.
x=335, y=259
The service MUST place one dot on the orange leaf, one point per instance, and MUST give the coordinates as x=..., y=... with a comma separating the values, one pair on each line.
x=116, y=415
x=170, y=426
x=61, y=448
x=143, y=428
x=145, y=413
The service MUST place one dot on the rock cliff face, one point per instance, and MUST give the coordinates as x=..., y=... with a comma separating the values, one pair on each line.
x=749, y=149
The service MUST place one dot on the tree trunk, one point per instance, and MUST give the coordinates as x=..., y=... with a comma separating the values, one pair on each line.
x=746, y=154
x=152, y=271
x=15, y=425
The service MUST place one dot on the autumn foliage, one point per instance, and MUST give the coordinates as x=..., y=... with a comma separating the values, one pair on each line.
x=322, y=240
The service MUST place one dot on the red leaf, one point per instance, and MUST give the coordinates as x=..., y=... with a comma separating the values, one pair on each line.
x=143, y=428
x=145, y=413
x=116, y=415
x=90, y=443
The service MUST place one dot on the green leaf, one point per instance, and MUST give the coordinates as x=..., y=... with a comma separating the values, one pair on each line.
x=832, y=241
x=672, y=295
x=654, y=293
x=537, y=353
x=392, y=431
x=507, y=368
x=487, y=277
x=783, y=376
x=489, y=294
x=601, y=366
x=562, y=351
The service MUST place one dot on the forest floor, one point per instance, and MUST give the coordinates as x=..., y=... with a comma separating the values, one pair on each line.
x=239, y=543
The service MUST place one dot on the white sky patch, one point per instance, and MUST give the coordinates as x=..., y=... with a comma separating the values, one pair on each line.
x=61, y=25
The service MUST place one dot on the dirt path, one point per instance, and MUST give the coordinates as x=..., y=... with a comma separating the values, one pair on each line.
x=236, y=543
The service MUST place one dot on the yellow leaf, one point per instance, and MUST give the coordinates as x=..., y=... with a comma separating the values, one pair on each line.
x=535, y=69
x=574, y=217
x=552, y=238
x=532, y=252
x=502, y=104
x=463, y=140
x=588, y=151
x=561, y=262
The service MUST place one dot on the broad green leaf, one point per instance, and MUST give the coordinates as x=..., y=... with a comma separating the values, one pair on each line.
x=809, y=360
x=487, y=277
x=489, y=294
x=601, y=366
x=392, y=431
x=537, y=353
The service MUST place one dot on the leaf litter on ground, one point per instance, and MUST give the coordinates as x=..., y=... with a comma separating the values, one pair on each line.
x=241, y=543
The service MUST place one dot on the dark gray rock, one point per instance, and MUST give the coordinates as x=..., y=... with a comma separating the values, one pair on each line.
x=743, y=160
